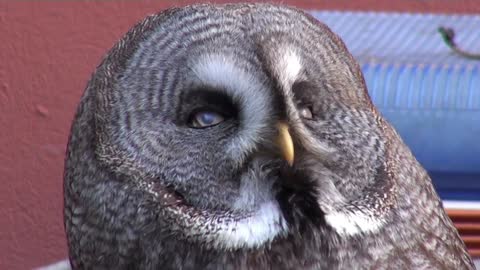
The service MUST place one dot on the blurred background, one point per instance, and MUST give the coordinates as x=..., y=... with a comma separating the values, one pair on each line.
x=48, y=50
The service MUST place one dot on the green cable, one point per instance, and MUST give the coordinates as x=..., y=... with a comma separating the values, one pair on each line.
x=448, y=36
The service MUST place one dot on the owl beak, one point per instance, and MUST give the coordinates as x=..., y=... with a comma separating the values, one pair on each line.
x=284, y=141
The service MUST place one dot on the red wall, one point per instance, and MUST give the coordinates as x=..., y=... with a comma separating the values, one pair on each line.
x=48, y=50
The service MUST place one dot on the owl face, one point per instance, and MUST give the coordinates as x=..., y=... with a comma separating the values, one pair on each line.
x=225, y=108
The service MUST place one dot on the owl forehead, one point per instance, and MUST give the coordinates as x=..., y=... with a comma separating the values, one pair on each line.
x=220, y=52
x=239, y=49
x=206, y=29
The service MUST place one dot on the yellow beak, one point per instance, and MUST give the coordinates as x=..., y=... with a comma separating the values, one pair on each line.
x=284, y=141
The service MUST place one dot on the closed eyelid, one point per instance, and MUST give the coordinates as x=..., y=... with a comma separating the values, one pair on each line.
x=198, y=120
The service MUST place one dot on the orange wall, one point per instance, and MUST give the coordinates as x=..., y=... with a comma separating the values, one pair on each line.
x=48, y=50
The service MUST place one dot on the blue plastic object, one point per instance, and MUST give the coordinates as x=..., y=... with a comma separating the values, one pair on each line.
x=429, y=94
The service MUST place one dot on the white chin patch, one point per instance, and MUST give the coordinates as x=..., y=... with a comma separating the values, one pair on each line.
x=353, y=223
x=252, y=232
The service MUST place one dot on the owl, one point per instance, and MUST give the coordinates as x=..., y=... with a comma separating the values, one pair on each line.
x=242, y=136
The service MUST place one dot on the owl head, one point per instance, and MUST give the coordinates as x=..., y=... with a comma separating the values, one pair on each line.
x=228, y=126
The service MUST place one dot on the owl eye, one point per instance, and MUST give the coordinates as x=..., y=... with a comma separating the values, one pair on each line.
x=205, y=119
x=306, y=112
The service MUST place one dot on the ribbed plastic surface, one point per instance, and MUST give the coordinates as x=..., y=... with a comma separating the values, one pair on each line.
x=429, y=94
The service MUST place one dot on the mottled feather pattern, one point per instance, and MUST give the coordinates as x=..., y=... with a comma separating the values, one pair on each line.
x=144, y=190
